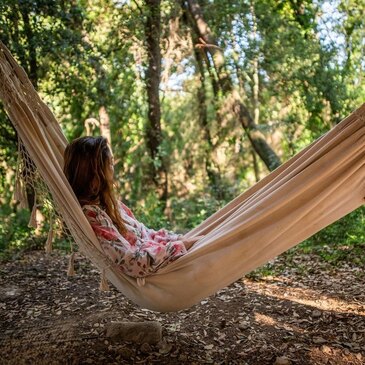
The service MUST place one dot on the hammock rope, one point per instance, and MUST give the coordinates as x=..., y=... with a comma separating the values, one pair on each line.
x=44, y=211
x=318, y=186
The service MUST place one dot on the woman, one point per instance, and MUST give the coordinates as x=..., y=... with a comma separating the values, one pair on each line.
x=138, y=250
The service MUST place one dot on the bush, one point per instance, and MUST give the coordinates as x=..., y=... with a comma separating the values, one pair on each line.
x=343, y=240
x=15, y=235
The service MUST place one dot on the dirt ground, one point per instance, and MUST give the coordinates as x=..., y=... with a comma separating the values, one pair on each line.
x=308, y=313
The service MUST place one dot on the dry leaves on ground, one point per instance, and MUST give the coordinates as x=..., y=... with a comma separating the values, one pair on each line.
x=316, y=317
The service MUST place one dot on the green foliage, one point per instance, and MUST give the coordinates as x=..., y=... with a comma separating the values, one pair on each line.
x=13, y=228
x=341, y=243
x=150, y=212
x=187, y=214
x=15, y=235
x=82, y=56
x=343, y=240
x=8, y=153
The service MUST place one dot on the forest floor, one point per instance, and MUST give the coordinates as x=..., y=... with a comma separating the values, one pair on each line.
x=306, y=312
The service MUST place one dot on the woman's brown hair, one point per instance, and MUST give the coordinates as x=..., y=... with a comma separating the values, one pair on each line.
x=88, y=168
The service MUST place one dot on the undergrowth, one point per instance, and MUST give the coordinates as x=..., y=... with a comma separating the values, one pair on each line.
x=341, y=242
x=16, y=236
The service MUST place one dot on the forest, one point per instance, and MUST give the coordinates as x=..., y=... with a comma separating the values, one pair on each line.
x=199, y=100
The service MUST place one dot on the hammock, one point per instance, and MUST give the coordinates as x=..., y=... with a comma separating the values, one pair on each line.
x=318, y=186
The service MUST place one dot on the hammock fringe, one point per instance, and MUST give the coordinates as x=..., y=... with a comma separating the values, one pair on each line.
x=71, y=265
x=104, y=286
x=48, y=245
x=33, y=223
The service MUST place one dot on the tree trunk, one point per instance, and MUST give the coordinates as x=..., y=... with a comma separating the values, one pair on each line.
x=33, y=77
x=32, y=61
x=255, y=136
x=255, y=165
x=255, y=90
x=105, y=124
x=153, y=76
x=255, y=71
x=210, y=168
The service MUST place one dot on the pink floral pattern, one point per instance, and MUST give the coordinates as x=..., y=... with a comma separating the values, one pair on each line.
x=139, y=252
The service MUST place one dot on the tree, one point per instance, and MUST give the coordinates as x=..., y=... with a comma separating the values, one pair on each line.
x=153, y=75
x=226, y=85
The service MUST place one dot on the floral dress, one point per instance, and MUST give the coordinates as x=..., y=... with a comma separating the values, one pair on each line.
x=139, y=252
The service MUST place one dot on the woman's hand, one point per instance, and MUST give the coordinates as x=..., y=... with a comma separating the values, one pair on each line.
x=189, y=242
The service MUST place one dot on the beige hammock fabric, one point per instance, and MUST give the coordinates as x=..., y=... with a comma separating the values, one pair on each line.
x=321, y=184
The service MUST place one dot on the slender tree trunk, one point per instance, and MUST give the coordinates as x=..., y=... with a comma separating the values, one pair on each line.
x=210, y=168
x=256, y=103
x=32, y=61
x=205, y=54
x=255, y=90
x=32, y=72
x=153, y=77
x=255, y=165
x=256, y=137
x=203, y=117
x=105, y=124
x=255, y=71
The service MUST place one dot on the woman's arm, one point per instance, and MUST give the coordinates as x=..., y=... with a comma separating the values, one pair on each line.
x=162, y=235
x=189, y=242
x=136, y=255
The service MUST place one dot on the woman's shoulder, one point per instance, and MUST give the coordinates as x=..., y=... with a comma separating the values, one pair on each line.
x=91, y=207
x=127, y=210
x=92, y=210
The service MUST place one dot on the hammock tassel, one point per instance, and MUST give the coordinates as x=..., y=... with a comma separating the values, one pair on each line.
x=104, y=286
x=71, y=265
x=48, y=246
x=19, y=189
x=19, y=194
x=33, y=217
x=141, y=282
